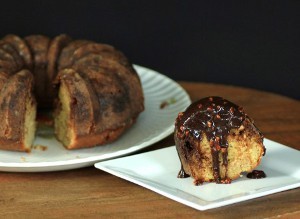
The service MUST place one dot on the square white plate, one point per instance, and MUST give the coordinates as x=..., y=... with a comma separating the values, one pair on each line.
x=157, y=171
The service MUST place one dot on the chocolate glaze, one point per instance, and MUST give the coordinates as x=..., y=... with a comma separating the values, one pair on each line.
x=182, y=173
x=256, y=174
x=215, y=117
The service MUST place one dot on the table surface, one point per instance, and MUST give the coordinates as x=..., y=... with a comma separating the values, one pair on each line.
x=89, y=192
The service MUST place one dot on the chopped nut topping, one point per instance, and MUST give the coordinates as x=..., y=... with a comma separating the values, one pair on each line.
x=241, y=128
x=209, y=124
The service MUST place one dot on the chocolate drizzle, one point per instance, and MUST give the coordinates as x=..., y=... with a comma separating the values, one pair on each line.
x=215, y=117
x=182, y=173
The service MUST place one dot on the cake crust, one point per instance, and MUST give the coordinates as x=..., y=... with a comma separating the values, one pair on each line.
x=65, y=59
x=20, y=45
x=39, y=45
x=8, y=47
x=13, y=99
x=6, y=56
x=55, y=47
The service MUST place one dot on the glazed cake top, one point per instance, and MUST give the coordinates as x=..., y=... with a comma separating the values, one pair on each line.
x=215, y=116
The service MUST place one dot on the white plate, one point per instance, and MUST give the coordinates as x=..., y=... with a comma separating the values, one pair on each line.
x=154, y=124
x=157, y=171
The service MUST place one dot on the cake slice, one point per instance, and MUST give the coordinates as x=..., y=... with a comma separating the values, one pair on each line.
x=217, y=141
x=76, y=110
x=18, y=107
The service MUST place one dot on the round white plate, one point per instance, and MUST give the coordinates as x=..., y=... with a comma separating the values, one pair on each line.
x=164, y=98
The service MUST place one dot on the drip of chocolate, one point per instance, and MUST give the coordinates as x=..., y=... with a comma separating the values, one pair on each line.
x=256, y=174
x=182, y=173
x=215, y=117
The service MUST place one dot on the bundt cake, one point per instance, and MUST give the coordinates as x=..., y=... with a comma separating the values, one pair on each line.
x=216, y=141
x=93, y=90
